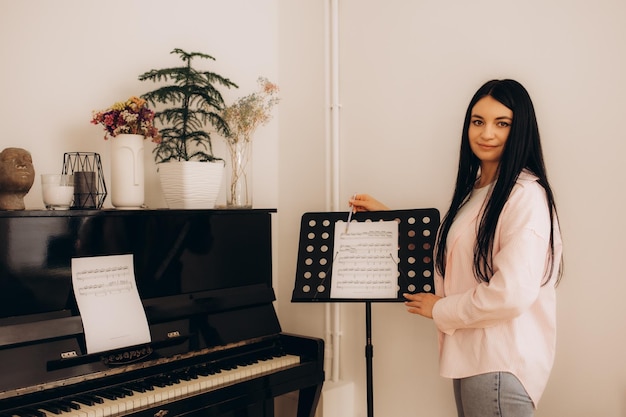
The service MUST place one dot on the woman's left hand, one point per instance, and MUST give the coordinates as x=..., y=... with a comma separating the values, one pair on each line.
x=421, y=303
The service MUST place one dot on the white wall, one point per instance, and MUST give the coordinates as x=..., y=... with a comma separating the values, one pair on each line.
x=408, y=69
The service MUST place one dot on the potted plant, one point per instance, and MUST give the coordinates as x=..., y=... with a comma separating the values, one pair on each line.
x=190, y=102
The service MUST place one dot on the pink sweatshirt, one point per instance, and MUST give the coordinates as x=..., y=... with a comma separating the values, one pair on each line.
x=508, y=324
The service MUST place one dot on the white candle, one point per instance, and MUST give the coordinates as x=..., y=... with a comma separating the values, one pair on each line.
x=57, y=190
x=57, y=196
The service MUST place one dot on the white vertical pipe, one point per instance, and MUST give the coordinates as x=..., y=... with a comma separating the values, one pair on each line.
x=332, y=322
x=334, y=83
x=328, y=116
x=328, y=336
x=335, y=138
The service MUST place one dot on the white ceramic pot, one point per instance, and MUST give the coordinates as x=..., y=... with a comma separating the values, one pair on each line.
x=127, y=171
x=191, y=184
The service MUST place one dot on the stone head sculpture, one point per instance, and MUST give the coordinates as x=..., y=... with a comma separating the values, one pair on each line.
x=17, y=175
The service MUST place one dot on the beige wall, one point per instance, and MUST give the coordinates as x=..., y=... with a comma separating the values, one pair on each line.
x=408, y=69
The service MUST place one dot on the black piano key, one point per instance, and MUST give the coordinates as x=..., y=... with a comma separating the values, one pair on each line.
x=202, y=372
x=73, y=405
x=181, y=376
x=141, y=386
x=84, y=401
x=63, y=405
x=118, y=392
x=191, y=373
x=163, y=381
x=207, y=370
x=97, y=399
x=31, y=412
x=137, y=388
x=51, y=408
x=88, y=399
x=106, y=394
x=160, y=382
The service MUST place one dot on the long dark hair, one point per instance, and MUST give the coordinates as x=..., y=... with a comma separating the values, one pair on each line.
x=522, y=150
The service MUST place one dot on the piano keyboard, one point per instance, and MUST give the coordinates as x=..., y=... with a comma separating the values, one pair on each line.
x=152, y=391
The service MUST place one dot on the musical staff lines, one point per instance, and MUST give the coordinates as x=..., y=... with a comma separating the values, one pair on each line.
x=103, y=281
x=364, y=264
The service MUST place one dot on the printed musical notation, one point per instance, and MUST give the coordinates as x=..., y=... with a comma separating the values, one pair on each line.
x=103, y=281
x=365, y=263
x=109, y=303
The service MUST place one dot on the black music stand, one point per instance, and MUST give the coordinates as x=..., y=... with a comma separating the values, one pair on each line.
x=417, y=230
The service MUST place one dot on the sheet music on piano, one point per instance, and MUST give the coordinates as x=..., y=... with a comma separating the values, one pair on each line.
x=365, y=264
x=108, y=300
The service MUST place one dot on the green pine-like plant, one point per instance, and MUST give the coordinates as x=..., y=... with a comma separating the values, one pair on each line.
x=192, y=102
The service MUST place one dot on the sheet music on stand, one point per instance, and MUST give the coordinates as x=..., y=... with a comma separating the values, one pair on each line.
x=334, y=266
x=365, y=260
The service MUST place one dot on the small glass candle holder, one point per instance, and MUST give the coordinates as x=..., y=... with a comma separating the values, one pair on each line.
x=57, y=191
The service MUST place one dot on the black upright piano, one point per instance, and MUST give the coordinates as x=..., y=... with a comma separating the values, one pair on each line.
x=205, y=281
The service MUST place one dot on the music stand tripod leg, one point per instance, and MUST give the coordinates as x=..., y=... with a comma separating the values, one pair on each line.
x=369, y=355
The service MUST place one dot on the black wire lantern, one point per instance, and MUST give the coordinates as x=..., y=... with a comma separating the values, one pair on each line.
x=89, y=187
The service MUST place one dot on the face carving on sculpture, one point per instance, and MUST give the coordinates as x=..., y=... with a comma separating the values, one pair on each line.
x=16, y=170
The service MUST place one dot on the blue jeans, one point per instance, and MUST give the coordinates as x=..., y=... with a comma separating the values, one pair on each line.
x=496, y=394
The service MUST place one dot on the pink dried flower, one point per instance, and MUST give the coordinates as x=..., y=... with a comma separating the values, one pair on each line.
x=249, y=112
x=131, y=116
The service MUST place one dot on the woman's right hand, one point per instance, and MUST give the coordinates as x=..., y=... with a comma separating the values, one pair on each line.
x=365, y=202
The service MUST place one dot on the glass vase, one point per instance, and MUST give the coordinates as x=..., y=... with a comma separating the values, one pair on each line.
x=239, y=194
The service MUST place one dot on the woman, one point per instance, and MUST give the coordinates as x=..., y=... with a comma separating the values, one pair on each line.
x=497, y=261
